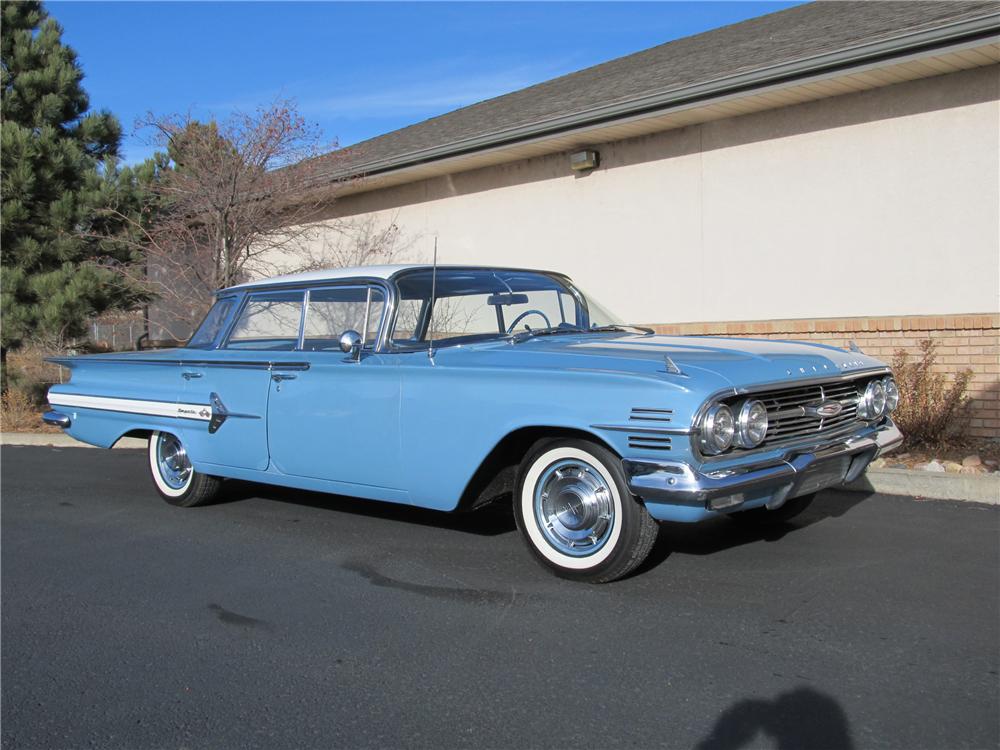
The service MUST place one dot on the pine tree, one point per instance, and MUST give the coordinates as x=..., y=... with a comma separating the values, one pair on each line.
x=58, y=177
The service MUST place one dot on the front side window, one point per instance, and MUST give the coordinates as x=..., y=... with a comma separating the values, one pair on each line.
x=331, y=312
x=210, y=327
x=269, y=321
x=472, y=305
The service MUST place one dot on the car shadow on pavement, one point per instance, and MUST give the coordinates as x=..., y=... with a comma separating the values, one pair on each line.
x=718, y=534
x=491, y=520
x=800, y=718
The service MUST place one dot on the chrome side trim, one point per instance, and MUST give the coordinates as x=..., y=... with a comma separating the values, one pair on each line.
x=244, y=364
x=214, y=412
x=639, y=428
x=56, y=418
x=199, y=412
x=679, y=483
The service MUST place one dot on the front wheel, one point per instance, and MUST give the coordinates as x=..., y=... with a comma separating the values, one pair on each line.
x=173, y=475
x=576, y=514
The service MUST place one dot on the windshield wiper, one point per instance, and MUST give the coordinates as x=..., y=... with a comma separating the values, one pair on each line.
x=549, y=331
x=621, y=327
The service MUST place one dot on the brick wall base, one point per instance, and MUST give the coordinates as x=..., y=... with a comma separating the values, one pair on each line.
x=963, y=341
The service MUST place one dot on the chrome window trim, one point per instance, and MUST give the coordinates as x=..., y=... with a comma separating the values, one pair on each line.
x=224, y=343
x=354, y=284
x=387, y=288
x=724, y=393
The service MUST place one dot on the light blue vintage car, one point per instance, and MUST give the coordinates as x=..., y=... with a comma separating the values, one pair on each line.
x=451, y=387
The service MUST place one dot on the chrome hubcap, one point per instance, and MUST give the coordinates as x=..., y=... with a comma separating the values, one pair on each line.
x=175, y=467
x=573, y=507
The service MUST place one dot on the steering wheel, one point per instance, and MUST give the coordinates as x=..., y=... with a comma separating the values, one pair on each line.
x=526, y=313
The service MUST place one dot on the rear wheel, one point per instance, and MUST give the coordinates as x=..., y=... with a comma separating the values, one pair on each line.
x=173, y=475
x=576, y=514
x=764, y=517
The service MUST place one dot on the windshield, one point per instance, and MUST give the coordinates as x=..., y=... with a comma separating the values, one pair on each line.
x=473, y=305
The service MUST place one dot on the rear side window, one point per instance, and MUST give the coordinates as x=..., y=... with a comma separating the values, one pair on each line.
x=210, y=327
x=269, y=321
x=331, y=312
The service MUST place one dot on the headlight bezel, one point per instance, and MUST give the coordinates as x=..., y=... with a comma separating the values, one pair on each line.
x=746, y=438
x=891, y=389
x=867, y=410
x=715, y=415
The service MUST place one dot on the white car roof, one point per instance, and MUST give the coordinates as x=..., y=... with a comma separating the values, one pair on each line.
x=336, y=274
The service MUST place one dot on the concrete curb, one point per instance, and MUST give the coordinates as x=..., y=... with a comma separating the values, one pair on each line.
x=60, y=440
x=976, y=488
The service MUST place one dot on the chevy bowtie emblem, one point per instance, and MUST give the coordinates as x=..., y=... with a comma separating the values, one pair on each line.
x=824, y=409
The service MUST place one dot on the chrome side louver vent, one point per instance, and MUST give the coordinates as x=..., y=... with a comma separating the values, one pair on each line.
x=650, y=415
x=649, y=442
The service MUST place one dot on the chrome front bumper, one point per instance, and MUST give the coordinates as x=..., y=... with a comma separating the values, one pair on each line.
x=799, y=472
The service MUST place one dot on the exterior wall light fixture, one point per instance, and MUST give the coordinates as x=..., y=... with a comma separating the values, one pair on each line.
x=581, y=161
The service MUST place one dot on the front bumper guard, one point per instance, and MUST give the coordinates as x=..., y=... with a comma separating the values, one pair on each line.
x=679, y=483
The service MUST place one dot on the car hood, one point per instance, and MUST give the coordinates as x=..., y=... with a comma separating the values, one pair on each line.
x=723, y=361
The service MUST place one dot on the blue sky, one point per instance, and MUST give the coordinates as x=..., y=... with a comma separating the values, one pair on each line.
x=355, y=69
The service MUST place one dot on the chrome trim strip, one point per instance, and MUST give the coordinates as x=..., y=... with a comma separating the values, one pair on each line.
x=170, y=409
x=679, y=483
x=174, y=409
x=640, y=428
x=242, y=364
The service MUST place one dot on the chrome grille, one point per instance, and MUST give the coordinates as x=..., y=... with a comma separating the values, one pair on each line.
x=788, y=421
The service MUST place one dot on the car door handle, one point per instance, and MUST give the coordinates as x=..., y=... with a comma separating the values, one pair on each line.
x=187, y=375
x=277, y=377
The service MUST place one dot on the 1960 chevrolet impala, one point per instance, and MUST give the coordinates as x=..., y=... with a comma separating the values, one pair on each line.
x=453, y=387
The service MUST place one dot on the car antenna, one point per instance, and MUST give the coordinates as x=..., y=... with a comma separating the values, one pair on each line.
x=430, y=318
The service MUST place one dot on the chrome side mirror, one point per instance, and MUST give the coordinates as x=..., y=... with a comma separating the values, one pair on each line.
x=350, y=344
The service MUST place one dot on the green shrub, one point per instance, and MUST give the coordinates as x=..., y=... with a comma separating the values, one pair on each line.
x=931, y=411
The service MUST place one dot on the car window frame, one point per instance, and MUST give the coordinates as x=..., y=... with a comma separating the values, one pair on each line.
x=388, y=292
x=248, y=296
x=327, y=287
x=223, y=332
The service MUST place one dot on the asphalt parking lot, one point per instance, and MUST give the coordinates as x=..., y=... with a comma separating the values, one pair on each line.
x=290, y=619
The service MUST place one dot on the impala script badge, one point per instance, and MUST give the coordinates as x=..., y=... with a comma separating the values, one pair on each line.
x=824, y=409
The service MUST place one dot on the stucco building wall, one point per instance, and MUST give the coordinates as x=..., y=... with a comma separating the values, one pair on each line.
x=884, y=203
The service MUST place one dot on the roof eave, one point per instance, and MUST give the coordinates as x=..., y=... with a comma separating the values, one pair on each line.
x=887, y=49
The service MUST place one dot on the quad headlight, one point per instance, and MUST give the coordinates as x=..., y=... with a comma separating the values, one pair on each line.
x=891, y=394
x=717, y=429
x=873, y=401
x=751, y=424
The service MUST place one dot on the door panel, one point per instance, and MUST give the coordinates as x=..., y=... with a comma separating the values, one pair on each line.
x=241, y=439
x=338, y=420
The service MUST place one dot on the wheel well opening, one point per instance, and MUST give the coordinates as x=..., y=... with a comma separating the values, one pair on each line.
x=497, y=474
x=139, y=433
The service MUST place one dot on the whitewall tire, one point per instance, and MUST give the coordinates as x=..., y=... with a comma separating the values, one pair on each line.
x=173, y=474
x=576, y=514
